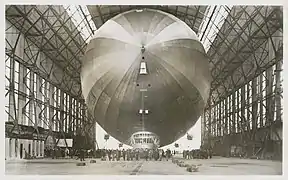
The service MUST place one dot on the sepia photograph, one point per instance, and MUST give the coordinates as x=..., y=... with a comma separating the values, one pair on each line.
x=143, y=89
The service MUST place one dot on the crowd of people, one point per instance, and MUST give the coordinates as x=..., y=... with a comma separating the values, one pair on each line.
x=108, y=154
x=135, y=154
x=124, y=154
x=61, y=152
x=57, y=152
x=197, y=154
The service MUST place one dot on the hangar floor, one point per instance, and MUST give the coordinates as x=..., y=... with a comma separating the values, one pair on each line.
x=214, y=166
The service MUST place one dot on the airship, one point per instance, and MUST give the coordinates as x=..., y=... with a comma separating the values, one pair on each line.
x=145, y=71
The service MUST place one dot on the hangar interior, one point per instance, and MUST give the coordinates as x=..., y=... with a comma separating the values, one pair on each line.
x=44, y=49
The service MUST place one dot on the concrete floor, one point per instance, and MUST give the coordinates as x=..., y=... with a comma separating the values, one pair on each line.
x=235, y=166
x=215, y=166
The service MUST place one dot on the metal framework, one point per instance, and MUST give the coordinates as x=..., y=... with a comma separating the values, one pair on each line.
x=45, y=44
x=43, y=91
x=244, y=110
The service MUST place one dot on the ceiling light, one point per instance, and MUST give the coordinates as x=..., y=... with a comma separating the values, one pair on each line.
x=139, y=10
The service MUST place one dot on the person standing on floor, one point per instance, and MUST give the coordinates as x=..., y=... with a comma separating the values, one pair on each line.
x=109, y=155
x=163, y=154
x=128, y=155
x=146, y=154
x=82, y=154
x=210, y=153
x=123, y=154
x=160, y=154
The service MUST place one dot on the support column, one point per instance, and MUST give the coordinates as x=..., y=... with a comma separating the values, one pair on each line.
x=61, y=127
x=209, y=125
x=219, y=117
x=45, y=121
x=243, y=109
x=57, y=122
x=233, y=112
x=69, y=120
x=214, y=120
x=65, y=110
x=254, y=104
x=278, y=91
x=226, y=117
x=27, y=83
x=38, y=121
x=203, y=128
x=237, y=118
x=21, y=96
x=11, y=89
x=206, y=128
x=74, y=115
x=248, y=117
x=261, y=99
x=50, y=104
x=11, y=94
x=269, y=101
x=84, y=116
x=31, y=95
x=77, y=116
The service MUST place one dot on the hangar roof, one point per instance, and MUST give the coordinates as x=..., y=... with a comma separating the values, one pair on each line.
x=241, y=41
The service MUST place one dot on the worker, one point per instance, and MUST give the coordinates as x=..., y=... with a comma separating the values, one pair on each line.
x=123, y=154
x=82, y=154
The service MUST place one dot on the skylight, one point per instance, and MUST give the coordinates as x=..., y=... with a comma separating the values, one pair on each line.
x=210, y=29
x=82, y=20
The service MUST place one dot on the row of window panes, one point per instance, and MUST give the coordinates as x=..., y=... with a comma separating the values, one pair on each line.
x=143, y=135
x=27, y=90
x=238, y=105
x=56, y=96
x=145, y=140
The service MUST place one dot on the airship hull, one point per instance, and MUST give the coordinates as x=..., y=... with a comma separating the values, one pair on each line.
x=174, y=88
